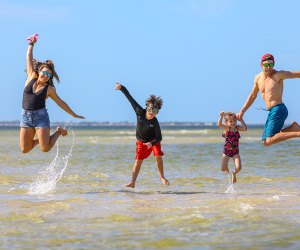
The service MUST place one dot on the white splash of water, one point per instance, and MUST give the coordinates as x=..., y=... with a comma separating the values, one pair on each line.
x=46, y=181
x=244, y=207
x=230, y=189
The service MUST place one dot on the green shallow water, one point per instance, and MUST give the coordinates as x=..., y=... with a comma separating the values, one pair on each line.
x=88, y=208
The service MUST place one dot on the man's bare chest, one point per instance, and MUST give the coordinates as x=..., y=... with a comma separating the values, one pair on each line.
x=268, y=85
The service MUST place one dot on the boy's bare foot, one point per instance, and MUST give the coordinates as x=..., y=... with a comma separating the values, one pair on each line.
x=234, y=179
x=62, y=131
x=130, y=185
x=165, y=181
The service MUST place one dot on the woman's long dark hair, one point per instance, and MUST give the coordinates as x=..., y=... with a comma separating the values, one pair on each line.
x=38, y=66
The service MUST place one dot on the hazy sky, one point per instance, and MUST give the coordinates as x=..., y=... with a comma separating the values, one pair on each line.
x=200, y=56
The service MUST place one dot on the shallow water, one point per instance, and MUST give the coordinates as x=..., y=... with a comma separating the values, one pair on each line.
x=89, y=208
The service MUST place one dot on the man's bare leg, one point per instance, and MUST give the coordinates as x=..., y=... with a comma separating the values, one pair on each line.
x=136, y=169
x=160, y=167
x=281, y=136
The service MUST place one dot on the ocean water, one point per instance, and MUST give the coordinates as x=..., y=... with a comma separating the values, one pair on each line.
x=73, y=197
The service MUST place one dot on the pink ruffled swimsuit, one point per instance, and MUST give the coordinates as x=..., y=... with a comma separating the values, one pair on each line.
x=231, y=146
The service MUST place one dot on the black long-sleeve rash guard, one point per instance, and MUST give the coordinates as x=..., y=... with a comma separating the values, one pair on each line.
x=146, y=130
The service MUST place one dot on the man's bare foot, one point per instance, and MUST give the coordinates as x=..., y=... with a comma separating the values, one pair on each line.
x=234, y=179
x=295, y=127
x=165, y=181
x=62, y=131
x=130, y=185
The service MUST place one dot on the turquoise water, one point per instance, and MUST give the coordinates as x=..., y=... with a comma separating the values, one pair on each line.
x=74, y=198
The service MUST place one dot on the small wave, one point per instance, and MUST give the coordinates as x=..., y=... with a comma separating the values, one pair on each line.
x=100, y=175
x=186, y=132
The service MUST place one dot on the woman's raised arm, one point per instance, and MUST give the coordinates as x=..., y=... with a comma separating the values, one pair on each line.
x=29, y=56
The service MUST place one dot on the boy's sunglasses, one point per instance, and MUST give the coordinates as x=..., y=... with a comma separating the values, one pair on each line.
x=47, y=73
x=152, y=110
x=268, y=64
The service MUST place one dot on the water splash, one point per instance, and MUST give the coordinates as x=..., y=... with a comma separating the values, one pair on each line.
x=230, y=189
x=46, y=181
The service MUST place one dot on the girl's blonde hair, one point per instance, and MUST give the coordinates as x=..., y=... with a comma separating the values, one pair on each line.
x=229, y=115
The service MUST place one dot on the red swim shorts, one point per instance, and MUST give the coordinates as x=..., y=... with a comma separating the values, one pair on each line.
x=143, y=152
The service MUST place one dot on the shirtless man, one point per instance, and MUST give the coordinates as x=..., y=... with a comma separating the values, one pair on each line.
x=269, y=83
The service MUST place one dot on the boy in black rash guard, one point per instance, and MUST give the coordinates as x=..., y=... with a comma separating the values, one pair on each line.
x=148, y=134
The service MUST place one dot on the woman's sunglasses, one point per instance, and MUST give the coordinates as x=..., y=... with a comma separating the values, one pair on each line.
x=47, y=73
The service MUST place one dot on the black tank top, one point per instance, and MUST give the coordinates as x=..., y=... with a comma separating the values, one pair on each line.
x=34, y=101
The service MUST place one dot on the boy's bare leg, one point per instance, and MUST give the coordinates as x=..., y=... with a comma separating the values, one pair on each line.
x=160, y=167
x=136, y=169
x=238, y=167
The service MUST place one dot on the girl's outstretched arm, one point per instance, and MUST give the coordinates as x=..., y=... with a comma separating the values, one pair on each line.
x=243, y=127
x=53, y=95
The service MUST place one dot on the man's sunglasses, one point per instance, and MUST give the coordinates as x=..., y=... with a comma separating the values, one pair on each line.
x=268, y=64
x=47, y=73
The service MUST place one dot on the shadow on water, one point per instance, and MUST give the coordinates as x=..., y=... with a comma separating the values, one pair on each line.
x=181, y=193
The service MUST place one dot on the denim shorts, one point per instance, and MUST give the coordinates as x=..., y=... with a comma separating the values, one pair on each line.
x=275, y=121
x=35, y=118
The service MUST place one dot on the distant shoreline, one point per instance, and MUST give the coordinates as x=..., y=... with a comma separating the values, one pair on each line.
x=86, y=124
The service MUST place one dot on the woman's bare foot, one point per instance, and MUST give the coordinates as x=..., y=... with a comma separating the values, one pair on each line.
x=130, y=185
x=165, y=181
x=234, y=179
x=62, y=131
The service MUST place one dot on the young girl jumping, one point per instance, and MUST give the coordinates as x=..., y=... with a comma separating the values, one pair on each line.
x=231, y=146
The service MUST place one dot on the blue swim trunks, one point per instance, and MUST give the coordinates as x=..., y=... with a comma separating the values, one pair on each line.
x=275, y=121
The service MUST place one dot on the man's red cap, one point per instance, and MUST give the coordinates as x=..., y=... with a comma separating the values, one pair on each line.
x=267, y=57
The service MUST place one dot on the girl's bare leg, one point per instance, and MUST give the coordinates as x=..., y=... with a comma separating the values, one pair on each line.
x=160, y=167
x=136, y=169
x=238, y=167
x=224, y=163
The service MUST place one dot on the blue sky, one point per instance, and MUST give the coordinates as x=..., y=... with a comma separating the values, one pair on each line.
x=199, y=56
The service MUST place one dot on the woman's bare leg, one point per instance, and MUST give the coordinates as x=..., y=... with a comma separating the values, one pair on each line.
x=27, y=143
x=46, y=141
